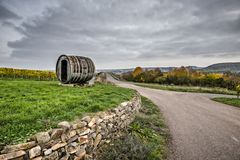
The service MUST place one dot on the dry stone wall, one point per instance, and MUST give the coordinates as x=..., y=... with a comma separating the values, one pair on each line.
x=77, y=140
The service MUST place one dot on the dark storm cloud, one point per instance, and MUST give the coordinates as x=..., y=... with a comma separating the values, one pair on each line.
x=5, y=13
x=115, y=30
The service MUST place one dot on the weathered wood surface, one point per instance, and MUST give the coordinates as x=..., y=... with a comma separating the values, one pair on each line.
x=74, y=69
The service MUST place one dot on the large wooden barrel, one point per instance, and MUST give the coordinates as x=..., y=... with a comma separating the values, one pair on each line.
x=74, y=69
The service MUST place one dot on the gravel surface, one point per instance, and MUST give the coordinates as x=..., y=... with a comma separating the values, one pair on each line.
x=201, y=129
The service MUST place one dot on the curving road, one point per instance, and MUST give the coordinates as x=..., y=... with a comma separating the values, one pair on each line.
x=201, y=129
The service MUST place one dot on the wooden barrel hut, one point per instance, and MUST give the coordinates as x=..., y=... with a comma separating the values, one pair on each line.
x=74, y=69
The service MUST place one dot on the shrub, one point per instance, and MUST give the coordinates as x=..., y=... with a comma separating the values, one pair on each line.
x=184, y=76
x=238, y=90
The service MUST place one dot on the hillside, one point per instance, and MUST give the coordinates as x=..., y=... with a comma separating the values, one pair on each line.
x=223, y=67
x=218, y=67
x=120, y=71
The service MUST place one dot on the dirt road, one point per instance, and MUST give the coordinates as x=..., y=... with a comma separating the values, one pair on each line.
x=201, y=129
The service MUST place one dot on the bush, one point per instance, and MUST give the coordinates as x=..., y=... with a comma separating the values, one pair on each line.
x=184, y=76
x=238, y=90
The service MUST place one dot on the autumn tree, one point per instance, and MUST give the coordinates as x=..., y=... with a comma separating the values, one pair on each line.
x=137, y=71
x=184, y=76
x=127, y=76
x=179, y=76
x=149, y=76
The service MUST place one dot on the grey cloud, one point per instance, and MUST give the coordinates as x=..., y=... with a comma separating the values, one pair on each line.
x=114, y=30
x=5, y=13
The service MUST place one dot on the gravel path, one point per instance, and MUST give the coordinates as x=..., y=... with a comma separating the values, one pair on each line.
x=201, y=129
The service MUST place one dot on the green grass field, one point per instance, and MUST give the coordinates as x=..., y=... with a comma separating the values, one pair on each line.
x=188, y=88
x=27, y=107
x=230, y=101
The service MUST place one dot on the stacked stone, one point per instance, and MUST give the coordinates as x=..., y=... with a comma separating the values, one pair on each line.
x=77, y=140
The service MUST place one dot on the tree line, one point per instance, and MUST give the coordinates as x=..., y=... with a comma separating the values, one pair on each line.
x=184, y=76
x=27, y=74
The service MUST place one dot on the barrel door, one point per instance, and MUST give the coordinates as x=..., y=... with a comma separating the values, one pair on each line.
x=64, y=67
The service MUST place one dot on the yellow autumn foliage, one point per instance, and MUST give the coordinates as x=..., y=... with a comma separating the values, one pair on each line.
x=215, y=75
x=27, y=74
x=137, y=71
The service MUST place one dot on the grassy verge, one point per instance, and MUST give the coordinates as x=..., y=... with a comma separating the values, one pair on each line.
x=145, y=139
x=229, y=101
x=29, y=106
x=188, y=88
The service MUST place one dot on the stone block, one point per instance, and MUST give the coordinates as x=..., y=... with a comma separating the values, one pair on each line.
x=58, y=145
x=17, y=147
x=56, y=133
x=86, y=119
x=80, y=124
x=83, y=139
x=72, y=134
x=48, y=152
x=12, y=155
x=97, y=140
x=42, y=137
x=34, y=152
x=92, y=122
x=73, y=139
x=80, y=154
x=64, y=125
x=38, y=158
x=52, y=156
x=84, y=132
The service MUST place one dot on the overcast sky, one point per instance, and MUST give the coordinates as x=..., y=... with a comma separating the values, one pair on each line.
x=119, y=33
